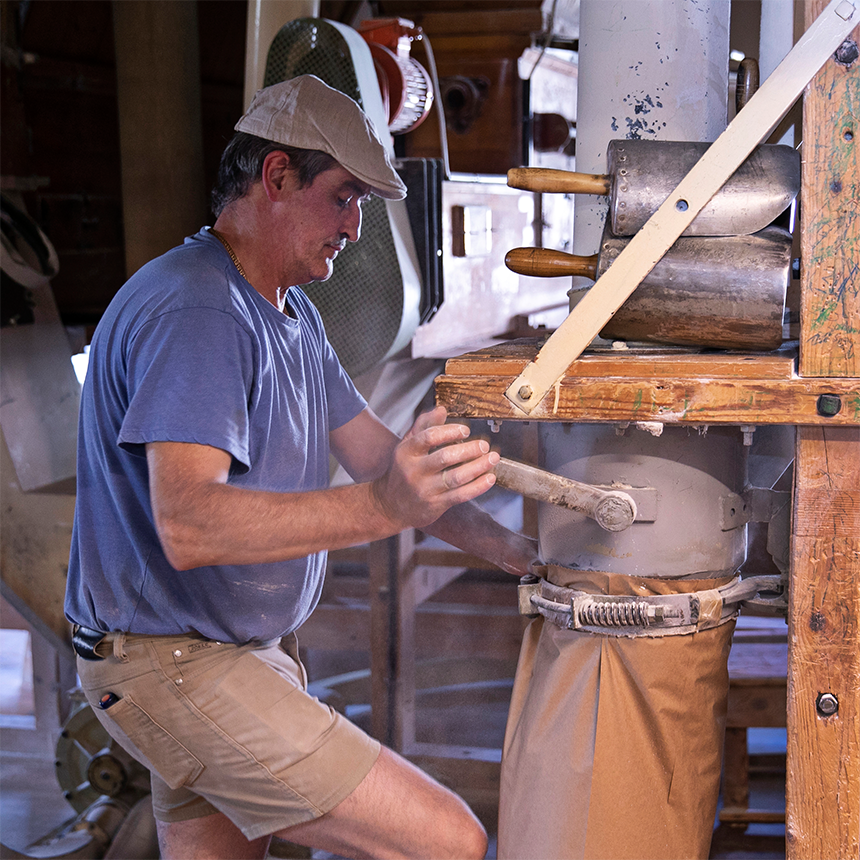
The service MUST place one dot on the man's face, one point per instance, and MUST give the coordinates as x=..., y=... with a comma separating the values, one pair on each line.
x=320, y=219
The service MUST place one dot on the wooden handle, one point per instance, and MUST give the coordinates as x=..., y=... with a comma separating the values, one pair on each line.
x=558, y=181
x=545, y=263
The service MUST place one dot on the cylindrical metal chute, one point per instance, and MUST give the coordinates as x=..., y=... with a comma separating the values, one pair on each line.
x=608, y=752
x=655, y=71
x=692, y=476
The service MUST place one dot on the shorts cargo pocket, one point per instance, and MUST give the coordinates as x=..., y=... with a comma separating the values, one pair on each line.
x=152, y=745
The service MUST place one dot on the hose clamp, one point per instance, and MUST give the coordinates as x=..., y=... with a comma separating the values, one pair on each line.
x=652, y=616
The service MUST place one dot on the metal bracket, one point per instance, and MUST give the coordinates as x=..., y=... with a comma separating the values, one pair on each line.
x=529, y=586
x=771, y=598
x=735, y=512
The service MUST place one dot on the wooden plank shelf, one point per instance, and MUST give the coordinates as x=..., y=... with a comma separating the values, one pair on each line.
x=672, y=388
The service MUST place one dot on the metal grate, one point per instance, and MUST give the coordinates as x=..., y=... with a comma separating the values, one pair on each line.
x=362, y=304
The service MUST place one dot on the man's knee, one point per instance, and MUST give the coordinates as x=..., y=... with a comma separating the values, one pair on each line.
x=468, y=838
x=474, y=842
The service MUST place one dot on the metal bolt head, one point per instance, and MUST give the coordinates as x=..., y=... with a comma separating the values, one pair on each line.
x=828, y=405
x=847, y=52
x=826, y=704
x=525, y=392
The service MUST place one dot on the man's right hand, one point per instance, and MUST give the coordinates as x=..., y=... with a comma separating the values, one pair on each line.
x=434, y=467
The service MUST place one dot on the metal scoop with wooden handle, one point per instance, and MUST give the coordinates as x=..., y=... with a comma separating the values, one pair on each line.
x=613, y=510
x=723, y=292
x=676, y=213
x=643, y=173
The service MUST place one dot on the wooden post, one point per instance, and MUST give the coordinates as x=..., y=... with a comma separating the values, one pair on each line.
x=823, y=756
x=161, y=135
x=823, y=761
x=392, y=641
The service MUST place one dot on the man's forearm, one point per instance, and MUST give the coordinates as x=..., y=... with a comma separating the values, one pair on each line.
x=230, y=525
x=204, y=520
x=471, y=529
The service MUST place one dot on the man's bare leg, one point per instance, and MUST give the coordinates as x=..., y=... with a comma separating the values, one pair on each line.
x=208, y=838
x=397, y=811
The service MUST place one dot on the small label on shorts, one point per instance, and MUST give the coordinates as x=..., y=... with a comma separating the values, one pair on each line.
x=198, y=646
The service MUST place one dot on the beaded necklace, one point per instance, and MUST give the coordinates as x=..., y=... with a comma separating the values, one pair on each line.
x=230, y=251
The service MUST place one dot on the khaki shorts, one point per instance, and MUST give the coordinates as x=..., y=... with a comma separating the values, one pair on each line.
x=226, y=728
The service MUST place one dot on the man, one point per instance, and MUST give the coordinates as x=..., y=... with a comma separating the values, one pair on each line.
x=203, y=515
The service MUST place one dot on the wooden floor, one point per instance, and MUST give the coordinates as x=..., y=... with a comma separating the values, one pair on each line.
x=31, y=801
x=31, y=805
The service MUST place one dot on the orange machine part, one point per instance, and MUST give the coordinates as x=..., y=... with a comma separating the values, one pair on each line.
x=407, y=92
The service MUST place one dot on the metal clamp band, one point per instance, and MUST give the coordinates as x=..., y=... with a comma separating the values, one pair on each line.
x=655, y=615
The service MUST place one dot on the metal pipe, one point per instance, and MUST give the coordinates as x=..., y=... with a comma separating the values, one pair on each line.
x=651, y=71
x=265, y=18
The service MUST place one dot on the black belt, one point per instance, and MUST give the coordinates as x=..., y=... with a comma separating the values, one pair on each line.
x=85, y=640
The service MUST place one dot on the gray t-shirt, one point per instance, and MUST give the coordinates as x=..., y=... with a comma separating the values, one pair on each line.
x=189, y=351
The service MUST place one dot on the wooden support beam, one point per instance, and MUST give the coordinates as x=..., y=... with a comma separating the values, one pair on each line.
x=158, y=87
x=823, y=755
x=672, y=389
x=823, y=770
x=392, y=641
x=830, y=235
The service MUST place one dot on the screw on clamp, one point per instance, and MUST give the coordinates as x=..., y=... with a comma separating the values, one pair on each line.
x=826, y=704
x=525, y=392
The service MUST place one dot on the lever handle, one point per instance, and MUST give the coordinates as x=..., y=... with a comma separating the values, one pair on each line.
x=558, y=181
x=546, y=263
x=613, y=510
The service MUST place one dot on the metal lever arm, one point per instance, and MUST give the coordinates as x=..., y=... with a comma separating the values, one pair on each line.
x=613, y=510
